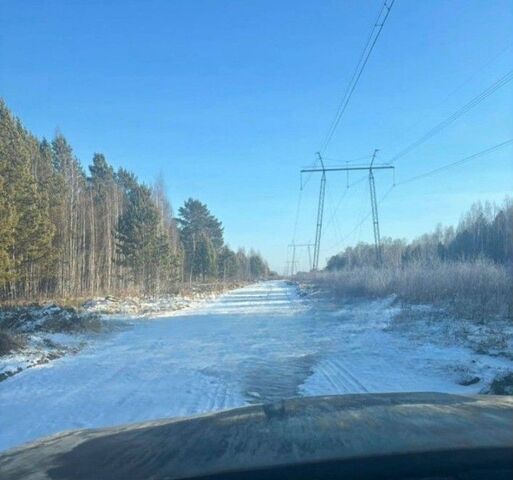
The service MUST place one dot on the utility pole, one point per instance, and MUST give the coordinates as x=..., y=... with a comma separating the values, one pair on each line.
x=294, y=262
x=374, y=204
x=320, y=213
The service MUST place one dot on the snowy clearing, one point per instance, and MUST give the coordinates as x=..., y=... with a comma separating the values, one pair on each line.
x=36, y=335
x=259, y=343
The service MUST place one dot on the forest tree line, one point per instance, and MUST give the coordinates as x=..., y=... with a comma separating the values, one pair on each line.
x=68, y=233
x=465, y=271
x=484, y=232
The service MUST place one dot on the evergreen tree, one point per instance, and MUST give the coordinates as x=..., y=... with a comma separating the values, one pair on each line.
x=139, y=244
x=242, y=265
x=257, y=266
x=103, y=187
x=75, y=222
x=63, y=233
x=197, y=225
x=169, y=265
x=7, y=239
x=8, y=215
x=227, y=264
x=484, y=231
x=204, y=262
x=26, y=209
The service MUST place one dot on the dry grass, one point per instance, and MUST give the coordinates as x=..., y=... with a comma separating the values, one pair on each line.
x=475, y=290
x=10, y=342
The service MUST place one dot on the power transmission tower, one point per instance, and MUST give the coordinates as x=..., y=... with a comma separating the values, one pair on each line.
x=320, y=213
x=374, y=208
x=288, y=269
x=294, y=262
x=374, y=204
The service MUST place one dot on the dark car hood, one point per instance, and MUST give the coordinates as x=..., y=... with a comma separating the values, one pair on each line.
x=357, y=436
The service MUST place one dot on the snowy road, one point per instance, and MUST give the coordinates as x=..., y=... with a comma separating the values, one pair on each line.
x=256, y=344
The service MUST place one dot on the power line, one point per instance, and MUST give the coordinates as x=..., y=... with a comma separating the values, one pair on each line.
x=369, y=46
x=333, y=212
x=457, y=162
x=452, y=118
x=332, y=216
x=365, y=55
x=363, y=201
x=420, y=176
x=298, y=207
x=303, y=184
x=498, y=84
x=362, y=221
x=295, y=261
x=476, y=72
x=345, y=192
x=320, y=213
x=357, y=159
x=320, y=208
x=371, y=41
x=467, y=80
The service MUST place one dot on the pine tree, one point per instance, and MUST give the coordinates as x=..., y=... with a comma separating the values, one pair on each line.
x=52, y=183
x=103, y=187
x=242, y=265
x=138, y=241
x=257, y=266
x=8, y=215
x=26, y=208
x=74, y=223
x=168, y=270
x=63, y=233
x=227, y=264
x=7, y=222
x=196, y=225
x=204, y=264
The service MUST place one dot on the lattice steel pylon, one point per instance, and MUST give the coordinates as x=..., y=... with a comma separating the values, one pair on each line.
x=374, y=203
x=294, y=262
x=374, y=208
x=320, y=213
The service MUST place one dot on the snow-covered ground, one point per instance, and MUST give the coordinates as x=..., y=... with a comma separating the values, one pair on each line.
x=140, y=307
x=34, y=335
x=259, y=343
x=44, y=333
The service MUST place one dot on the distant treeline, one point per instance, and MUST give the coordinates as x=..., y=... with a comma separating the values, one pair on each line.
x=484, y=232
x=467, y=270
x=67, y=233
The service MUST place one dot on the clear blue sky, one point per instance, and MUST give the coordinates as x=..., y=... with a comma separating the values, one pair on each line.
x=230, y=98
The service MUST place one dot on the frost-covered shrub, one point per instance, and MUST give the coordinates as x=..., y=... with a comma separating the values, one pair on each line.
x=471, y=289
x=48, y=319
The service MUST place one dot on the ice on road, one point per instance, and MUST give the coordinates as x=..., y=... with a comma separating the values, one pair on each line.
x=256, y=344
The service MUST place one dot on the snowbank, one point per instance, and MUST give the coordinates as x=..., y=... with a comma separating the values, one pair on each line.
x=35, y=335
x=475, y=355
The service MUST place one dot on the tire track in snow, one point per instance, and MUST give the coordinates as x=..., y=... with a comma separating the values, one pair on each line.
x=349, y=375
x=339, y=378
